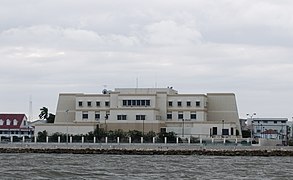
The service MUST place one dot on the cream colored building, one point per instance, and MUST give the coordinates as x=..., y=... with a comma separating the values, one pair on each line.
x=147, y=109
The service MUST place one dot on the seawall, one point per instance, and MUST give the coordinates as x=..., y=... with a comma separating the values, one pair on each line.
x=137, y=149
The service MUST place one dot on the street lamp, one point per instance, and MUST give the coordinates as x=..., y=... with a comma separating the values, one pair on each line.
x=143, y=126
x=67, y=126
x=106, y=117
x=223, y=121
x=251, y=118
x=182, y=127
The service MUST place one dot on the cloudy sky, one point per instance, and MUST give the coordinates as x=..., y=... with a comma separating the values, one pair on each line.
x=196, y=46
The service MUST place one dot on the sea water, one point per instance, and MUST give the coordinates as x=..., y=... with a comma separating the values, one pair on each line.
x=89, y=166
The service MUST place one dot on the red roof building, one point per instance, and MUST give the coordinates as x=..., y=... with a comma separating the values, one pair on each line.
x=14, y=125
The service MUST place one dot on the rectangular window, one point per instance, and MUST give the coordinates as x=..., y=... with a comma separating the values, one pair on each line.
x=124, y=103
x=283, y=121
x=107, y=103
x=98, y=104
x=143, y=102
x=133, y=103
x=147, y=102
x=85, y=115
x=180, y=116
x=169, y=116
x=89, y=103
x=80, y=103
x=170, y=103
x=265, y=121
x=193, y=116
x=121, y=117
x=140, y=117
x=97, y=116
x=179, y=103
x=275, y=122
x=188, y=103
x=138, y=102
x=197, y=103
x=128, y=102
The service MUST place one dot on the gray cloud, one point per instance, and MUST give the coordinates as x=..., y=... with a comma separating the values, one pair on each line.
x=48, y=47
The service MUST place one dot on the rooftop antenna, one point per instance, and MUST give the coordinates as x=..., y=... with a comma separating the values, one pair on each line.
x=30, y=108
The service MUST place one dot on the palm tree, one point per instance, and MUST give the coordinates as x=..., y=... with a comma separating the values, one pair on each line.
x=44, y=113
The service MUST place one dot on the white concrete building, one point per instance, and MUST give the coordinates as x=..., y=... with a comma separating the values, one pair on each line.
x=147, y=109
x=270, y=128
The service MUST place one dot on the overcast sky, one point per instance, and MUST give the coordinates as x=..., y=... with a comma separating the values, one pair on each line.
x=195, y=46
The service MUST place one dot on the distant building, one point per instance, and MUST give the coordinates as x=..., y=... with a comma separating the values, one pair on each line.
x=15, y=125
x=147, y=109
x=270, y=128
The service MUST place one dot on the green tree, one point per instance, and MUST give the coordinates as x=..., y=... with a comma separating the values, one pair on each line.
x=45, y=115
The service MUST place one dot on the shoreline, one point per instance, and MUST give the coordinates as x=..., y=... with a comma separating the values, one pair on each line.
x=146, y=149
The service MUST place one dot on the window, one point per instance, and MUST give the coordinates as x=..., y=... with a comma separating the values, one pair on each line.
x=107, y=103
x=283, y=121
x=138, y=102
x=179, y=103
x=265, y=121
x=133, y=103
x=124, y=103
x=14, y=122
x=148, y=102
x=169, y=116
x=8, y=122
x=85, y=115
x=170, y=103
x=1, y=122
x=89, y=103
x=140, y=117
x=143, y=102
x=180, y=116
x=193, y=116
x=98, y=104
x=197, y=103
x=188, y=103
x=275, y=122
x=121, y=117
x=97, y=116
x=80, y=103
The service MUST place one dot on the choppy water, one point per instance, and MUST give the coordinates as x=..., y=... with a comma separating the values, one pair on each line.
x=72, y=166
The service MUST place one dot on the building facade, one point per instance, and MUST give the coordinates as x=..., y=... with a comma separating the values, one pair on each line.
x=147, y=109
x=14, y=125
x=270, y=128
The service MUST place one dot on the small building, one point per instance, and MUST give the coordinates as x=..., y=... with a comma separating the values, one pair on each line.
x=147, y=109
x=270, y=128
x=15, y=125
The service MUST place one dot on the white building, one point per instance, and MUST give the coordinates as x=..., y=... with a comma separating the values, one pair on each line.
x=147, y=109
x=14, y=125
x=270, y=128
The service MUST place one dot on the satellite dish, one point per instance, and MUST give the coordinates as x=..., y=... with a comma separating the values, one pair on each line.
x=104, y=91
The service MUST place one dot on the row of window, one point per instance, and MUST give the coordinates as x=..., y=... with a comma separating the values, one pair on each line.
x=119, y=117
x=89, y=103
x=8, y=122
x=136, y=103
x=15, y=132
x=180, y=116
x=138, y=117
x=188, y=103
x=275, y=122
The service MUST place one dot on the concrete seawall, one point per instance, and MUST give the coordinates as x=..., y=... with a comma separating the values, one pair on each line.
x=137, y=149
